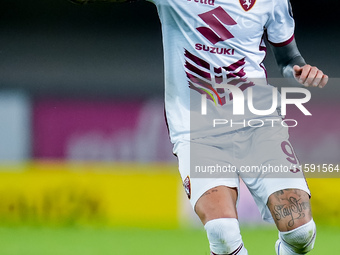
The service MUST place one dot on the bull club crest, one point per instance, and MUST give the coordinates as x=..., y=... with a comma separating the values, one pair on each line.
x=247, y=4
x=187, y=186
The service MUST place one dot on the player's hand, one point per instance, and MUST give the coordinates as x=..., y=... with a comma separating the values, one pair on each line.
x=310, y=76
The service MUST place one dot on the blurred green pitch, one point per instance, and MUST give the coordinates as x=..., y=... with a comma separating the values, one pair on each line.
x=96, y=241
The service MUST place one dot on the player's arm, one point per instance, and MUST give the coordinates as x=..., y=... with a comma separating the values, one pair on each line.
x=94, y=1
x=292, y=65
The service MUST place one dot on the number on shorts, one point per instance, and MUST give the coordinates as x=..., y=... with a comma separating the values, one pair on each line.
x=288, y=150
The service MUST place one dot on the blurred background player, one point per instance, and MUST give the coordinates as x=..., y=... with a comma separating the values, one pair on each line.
x=208, y=43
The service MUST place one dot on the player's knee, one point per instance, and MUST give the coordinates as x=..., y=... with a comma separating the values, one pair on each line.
x=224, y=236
x=300, y=240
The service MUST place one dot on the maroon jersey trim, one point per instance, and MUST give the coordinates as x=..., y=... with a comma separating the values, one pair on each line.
x=282, y=43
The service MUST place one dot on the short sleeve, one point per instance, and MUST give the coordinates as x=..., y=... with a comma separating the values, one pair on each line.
x=280, y=26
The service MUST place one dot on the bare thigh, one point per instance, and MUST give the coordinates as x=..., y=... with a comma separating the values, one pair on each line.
x=290, y=208
x=218, y=202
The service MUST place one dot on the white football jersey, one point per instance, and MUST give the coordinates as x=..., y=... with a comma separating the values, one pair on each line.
x=212, y=43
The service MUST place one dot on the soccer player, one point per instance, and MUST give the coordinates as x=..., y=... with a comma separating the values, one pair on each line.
x=213, y=54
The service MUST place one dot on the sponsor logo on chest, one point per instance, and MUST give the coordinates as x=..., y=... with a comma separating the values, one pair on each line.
x=245, y=4
x=208, y=2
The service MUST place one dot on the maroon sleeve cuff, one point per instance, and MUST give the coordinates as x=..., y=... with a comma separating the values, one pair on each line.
x=282, y=43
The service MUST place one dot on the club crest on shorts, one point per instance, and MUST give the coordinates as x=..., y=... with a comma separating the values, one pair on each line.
x=187, y=186
x=247, y=4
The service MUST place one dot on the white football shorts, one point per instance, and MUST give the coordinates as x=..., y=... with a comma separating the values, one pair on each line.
x=263, y=157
